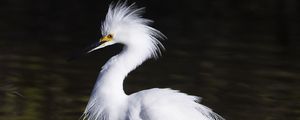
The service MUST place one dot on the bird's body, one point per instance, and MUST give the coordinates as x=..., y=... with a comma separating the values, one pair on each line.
x=123, y=24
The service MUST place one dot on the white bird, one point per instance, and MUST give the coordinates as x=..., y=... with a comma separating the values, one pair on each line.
x=124, y=24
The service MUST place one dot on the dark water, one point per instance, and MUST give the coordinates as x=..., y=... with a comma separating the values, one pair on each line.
x=242, y=58
x=37, y=86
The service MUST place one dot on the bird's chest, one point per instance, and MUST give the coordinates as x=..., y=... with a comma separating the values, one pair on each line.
x=115, y=111
x=124, y=112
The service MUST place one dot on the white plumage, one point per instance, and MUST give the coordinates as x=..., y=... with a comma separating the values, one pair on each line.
x=124, y=24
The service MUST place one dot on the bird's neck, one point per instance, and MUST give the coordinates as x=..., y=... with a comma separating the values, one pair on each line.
x=108, y=95
x=110, y=80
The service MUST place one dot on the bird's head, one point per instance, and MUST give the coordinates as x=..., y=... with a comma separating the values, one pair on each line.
x=124, y=24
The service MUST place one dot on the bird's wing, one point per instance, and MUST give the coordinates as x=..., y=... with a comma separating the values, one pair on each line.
x=167, y=104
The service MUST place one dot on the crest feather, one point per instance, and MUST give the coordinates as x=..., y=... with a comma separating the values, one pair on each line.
x=122, y=13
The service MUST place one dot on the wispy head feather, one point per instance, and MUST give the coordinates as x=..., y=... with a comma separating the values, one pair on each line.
x=124, y=18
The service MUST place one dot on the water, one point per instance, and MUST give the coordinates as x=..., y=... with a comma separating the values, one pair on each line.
x=37, y=86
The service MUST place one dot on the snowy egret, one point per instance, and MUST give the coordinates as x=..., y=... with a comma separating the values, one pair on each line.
x=124, y=24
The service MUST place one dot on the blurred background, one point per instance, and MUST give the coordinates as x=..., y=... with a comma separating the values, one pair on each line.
x=242, y=57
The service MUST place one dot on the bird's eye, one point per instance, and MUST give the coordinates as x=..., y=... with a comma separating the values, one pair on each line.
x=109, y=36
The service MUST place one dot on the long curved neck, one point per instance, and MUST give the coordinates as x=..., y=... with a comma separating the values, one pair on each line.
x=113, y=73
x=108, y=95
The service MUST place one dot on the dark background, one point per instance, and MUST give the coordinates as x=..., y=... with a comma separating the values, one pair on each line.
x=240, y=56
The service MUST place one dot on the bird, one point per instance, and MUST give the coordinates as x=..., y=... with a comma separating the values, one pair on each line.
x=125, y=24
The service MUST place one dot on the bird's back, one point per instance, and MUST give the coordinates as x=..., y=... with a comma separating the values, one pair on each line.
x=167, y=104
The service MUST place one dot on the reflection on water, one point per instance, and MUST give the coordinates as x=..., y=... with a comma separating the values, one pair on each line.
x=35, y=86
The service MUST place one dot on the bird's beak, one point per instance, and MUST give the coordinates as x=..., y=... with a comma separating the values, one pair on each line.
x=103, y=42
